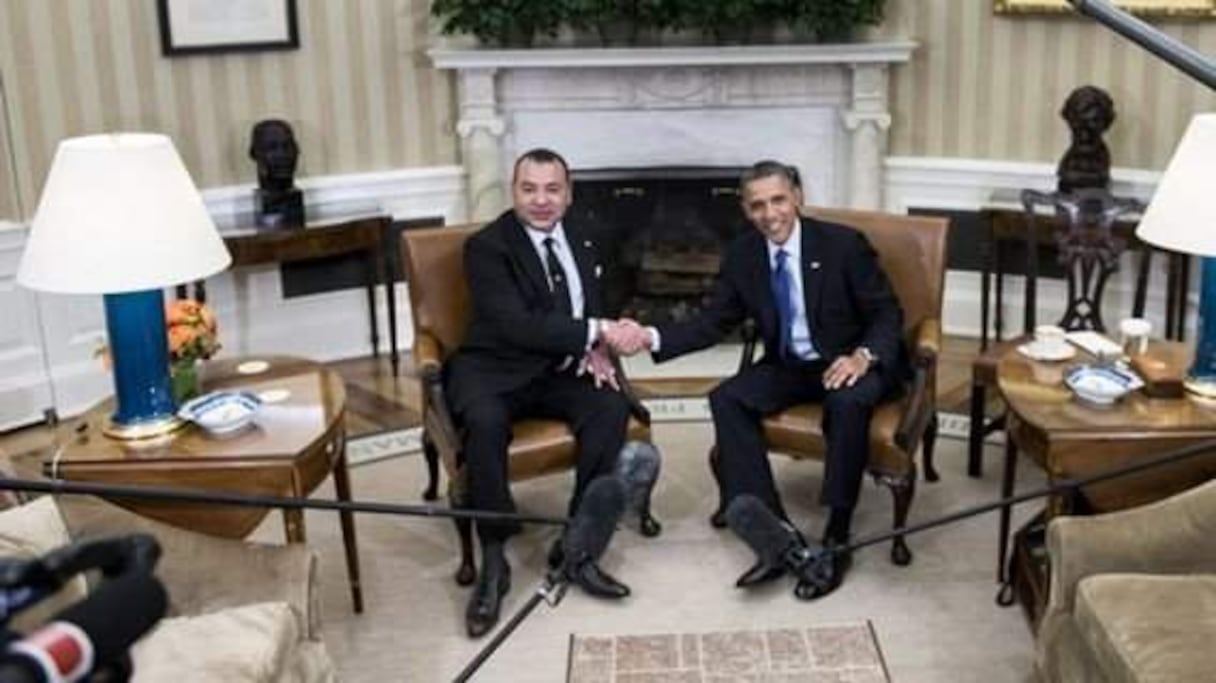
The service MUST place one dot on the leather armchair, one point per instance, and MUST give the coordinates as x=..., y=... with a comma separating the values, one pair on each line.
x=912, y=251
x=1133, y=593
x=439, y=296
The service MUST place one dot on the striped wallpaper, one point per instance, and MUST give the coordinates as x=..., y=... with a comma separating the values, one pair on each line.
x=362, y=96
x=990, y=86
x=359, y=92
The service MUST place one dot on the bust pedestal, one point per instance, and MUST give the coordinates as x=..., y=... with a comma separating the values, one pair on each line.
x=277, y=209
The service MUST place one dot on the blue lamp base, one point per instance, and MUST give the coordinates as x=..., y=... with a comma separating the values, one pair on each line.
x=139, y=351
x=1201, y=379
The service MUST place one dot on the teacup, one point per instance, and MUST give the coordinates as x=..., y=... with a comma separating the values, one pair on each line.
x=1049, y=337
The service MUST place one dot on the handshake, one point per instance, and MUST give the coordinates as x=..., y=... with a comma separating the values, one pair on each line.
x=624, y=337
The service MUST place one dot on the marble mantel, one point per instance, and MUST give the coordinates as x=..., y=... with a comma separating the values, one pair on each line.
x=824, y=108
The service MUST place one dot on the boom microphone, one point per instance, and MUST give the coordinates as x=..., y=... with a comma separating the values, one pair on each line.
x=776, y=542
x=594, y=522
x=93, y=634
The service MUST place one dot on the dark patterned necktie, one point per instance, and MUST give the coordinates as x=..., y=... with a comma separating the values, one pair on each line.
x=785, y=304
x=557, y=279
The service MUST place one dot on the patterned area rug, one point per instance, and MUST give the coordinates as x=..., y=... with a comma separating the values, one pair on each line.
x=839, y=653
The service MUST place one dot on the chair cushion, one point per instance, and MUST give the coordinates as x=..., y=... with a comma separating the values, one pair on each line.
x=540, y=447
x=29, y=531
x=257, y=642
x=1144, y=627
x=797, y=432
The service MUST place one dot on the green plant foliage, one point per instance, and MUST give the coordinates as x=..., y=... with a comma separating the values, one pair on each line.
x=518, y=22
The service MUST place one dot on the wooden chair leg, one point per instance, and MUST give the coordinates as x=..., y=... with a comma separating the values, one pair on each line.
x=718, y=519
x=902, y=491
x=431, y=453
x=927, y=443
x=975, y=434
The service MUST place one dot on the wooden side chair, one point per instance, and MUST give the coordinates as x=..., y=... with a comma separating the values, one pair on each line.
x=912, y=252
x=439, y=297
x=1083, y=225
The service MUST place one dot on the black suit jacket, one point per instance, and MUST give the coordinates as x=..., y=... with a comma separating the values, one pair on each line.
x=515, y=332
x=848, y=299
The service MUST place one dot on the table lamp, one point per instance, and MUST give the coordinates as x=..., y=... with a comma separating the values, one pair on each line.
x=120, y=216
x=1182, y=217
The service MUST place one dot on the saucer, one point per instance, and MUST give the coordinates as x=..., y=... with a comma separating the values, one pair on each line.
x=1048, y=351
x=1099, y=385
x=221, y=412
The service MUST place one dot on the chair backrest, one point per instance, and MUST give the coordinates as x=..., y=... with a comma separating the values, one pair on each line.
x=439, y=294
x=912, y=252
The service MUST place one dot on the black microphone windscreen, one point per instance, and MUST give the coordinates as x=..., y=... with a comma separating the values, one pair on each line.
x=117, y=613
x=769, y=537
x=638, y=468
x=595, y=520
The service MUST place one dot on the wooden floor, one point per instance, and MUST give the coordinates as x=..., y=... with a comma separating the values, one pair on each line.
x=376, y=401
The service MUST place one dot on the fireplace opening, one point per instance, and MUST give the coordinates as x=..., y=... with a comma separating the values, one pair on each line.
x=660, y=232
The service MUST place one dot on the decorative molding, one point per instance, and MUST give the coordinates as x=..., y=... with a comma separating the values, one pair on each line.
x=741, y=55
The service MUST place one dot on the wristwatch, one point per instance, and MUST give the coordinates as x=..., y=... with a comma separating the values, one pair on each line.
x=868, y=355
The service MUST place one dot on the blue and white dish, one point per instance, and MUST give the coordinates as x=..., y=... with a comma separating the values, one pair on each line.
x=221, y=412
x=1101, y=385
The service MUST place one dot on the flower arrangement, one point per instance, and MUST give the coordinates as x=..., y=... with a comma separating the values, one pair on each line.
x=192, y=337
x=192, y=331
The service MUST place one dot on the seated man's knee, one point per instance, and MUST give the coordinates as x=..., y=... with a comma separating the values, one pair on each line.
x=612, y=406
x=486, y=418
x=723, y=397
x=852, y=399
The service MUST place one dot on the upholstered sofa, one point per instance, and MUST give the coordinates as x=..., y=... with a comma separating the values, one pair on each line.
x=1133, y=594
x=237, y=611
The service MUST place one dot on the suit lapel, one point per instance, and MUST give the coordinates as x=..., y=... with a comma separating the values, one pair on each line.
x=525, y=254
x=812, y=272
x=762, y=274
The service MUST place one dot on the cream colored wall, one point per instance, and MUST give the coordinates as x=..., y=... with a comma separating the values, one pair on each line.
x=990, y=86
x=359, y=92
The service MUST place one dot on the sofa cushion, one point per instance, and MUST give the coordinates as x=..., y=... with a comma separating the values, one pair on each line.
x=257, y=642
x=29, y=531
x=1149, y=627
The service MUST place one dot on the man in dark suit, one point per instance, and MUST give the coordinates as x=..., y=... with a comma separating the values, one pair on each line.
x=832, y=331
x=531, y=343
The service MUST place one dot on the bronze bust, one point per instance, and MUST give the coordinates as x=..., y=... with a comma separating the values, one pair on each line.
x=1089, y=111
x=277, y=200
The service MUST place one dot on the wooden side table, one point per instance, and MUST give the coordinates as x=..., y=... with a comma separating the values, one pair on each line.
x=1071, y=440
x=293, y=445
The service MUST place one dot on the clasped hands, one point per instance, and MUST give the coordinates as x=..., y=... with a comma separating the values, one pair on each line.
x=623, y=337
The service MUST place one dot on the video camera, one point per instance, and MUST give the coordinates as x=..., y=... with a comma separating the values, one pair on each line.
x=90, y=640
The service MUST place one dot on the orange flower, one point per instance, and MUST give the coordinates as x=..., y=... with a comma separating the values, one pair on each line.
x=191, y=329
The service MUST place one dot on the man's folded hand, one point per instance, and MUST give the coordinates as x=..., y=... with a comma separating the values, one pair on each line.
x=599, y=364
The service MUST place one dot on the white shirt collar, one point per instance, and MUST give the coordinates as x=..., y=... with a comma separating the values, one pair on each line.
x=792, y=246
x=538, y=236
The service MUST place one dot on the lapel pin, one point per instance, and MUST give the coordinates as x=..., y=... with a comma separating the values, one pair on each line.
x=587, y=243
x=814, y=265
x=599, y=270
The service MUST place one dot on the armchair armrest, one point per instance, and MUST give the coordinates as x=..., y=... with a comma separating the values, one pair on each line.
x=635, y=404
x=921, y=401
x=428, y=354
x=204, y=573
x=1172, y=536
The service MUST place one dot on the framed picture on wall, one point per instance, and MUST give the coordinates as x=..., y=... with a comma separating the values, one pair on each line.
x=189, y=27
x=1175, y=8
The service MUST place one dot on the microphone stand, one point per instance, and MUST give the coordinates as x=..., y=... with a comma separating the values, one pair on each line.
x=186, y=495
x=1071, y=486
x=1183, y=57
x=551, y=590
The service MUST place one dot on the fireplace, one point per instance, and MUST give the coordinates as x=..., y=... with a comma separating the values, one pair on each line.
x=660, y=232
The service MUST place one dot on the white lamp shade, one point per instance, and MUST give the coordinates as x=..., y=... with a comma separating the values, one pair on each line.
x=1182, y=215
x=119, y=213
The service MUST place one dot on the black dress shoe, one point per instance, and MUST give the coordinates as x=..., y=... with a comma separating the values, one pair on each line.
x=597, y=582
x=827, y=576
x=759, y=573
x=492, y=584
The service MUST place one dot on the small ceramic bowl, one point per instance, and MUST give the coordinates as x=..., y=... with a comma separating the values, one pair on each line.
x=1097, y=385
x=221, y=412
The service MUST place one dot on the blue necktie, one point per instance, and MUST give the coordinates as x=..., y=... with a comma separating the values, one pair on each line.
x=782, y=289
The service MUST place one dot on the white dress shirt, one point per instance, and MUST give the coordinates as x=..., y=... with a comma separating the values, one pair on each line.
x=804, y=347
x=574, y=282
